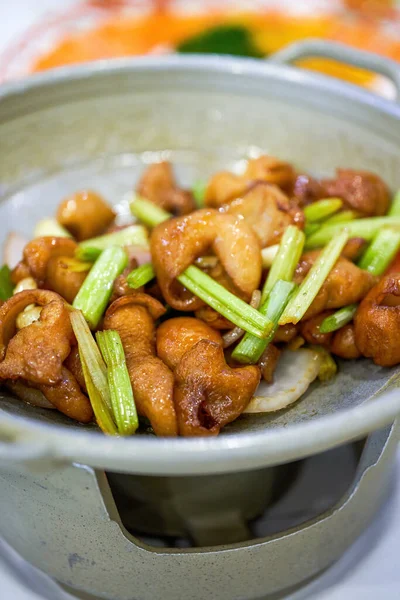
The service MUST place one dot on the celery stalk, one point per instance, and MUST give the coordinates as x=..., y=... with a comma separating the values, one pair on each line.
x=122, y=400
x=93, y=296
x=301, y=301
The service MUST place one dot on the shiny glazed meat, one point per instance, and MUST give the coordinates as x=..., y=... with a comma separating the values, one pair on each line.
x=344, y=343
x=307, y=190
x=309, y=329
x=73, y=364
x=268, y=211
x=39, y=251
x=185, y=371
x=176, y=243
x=158, y=185
x=208, y=393
x=377, y=322
x=85, y=214
x=271, y=170
x=67, y=397
x=345, y=284
x=62, y=278
x=224, y=186
x=35, y=353
x=177, y=336
x=152, y=381
x=363, y=191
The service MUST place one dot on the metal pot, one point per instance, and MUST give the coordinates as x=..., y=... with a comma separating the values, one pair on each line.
x=96, y=126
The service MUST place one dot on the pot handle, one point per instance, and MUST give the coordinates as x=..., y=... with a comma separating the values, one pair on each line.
x=342, y=53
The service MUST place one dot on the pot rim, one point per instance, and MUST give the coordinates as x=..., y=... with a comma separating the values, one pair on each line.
x=234, y=452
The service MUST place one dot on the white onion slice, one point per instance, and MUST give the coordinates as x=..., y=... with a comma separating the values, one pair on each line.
x=13, y=248
x=28, y=394
x=141, y=254
x=294, y=373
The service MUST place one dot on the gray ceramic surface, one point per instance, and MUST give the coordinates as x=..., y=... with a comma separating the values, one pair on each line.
x=97, y=126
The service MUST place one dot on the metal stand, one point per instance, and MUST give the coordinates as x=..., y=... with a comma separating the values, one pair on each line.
x=66, y=523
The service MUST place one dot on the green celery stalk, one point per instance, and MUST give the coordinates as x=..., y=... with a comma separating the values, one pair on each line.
x=199, y=191
x=140, y=276
x=250, y=348
x=338, y=319
x=101, y=411
x=285, y=262
x=310, y=228
x=148, y=213
x=342, y=217
x=123, y=403
x=6, y=285
x=90, y=356
x=381, y=252
x=394, y=209
x=134, y=235
x=320, y=210
x=202, y=285
x=227, y=304
x=95, y=292
x=301, y=301
x=363, y=228
x=376, y=260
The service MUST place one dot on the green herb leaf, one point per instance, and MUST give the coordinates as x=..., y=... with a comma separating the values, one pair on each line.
x=223, y=39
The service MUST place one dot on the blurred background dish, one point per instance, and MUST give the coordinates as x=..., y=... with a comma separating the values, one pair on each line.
x=79, y=31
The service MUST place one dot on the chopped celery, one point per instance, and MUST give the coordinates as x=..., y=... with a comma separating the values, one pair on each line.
x=311, y=228
x=363, y=228
x=122, y=400
x=285, y=261
x=148, y=213
x=376, y=260
x=338, y=319
x=381, y=252
x=320, y=210
x=227, y=304
x=93, y=296
x=140, y=276
x=342, y=217
x=6, y=285
x=301, y=301
x=250, y=349
x=394, y=209
x=101, y=411
x=134, y=235
x=199, y=191
x=91, y=356
x=212, y=293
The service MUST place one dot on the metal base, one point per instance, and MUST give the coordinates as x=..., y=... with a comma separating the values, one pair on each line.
x=67, y=524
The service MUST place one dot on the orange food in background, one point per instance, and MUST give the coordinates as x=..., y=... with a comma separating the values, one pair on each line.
x=161, y=31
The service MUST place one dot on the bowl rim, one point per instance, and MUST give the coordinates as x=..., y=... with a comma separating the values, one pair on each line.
x=234, y=452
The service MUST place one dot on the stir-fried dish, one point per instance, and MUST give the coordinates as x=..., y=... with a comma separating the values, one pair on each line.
x=225, y=299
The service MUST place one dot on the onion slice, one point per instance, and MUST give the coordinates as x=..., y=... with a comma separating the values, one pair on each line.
x=13, y=248
x=293, y=375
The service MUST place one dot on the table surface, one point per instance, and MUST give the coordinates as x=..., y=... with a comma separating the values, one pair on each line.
x=368, y=570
